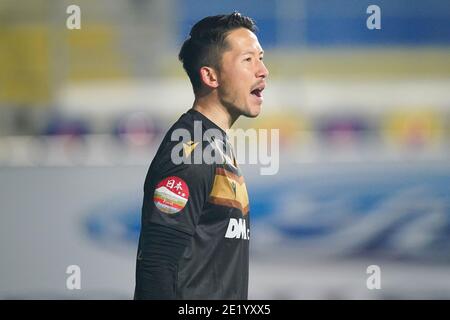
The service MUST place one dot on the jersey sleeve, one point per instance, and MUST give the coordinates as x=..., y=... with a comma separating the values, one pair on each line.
x=160, y=249
x=175, y=194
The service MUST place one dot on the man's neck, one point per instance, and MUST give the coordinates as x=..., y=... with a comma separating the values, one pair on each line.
x=215, y=112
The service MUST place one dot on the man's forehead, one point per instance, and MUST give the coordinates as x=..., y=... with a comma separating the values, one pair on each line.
x=243, y=40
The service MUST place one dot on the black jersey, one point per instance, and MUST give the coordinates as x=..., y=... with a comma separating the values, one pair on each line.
x=207, y=202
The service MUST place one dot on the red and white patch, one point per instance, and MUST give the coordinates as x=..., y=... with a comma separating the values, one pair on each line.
x=171, y=195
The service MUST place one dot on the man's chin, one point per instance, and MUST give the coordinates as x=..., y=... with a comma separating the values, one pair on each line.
x=253, y=112
x=252, y=115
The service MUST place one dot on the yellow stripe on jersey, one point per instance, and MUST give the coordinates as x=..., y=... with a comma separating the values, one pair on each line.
x=229, y=190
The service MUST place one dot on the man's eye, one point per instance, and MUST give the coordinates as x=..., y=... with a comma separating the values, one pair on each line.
x=248, y=59
x=261, y=58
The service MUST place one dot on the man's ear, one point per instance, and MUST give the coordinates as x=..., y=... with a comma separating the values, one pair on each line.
x=209, y=77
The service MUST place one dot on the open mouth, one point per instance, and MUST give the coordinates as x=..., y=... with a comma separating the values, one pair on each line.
x=258, y=91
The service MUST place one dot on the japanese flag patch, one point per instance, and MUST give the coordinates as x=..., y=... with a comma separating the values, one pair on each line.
x=171, y=195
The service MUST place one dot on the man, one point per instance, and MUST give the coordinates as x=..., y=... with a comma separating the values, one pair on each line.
x=195, y=227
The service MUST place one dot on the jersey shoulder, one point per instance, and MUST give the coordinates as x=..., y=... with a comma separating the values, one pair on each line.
x=182, y=150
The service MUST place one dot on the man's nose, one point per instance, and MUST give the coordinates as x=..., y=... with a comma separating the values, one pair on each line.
x=263, y=72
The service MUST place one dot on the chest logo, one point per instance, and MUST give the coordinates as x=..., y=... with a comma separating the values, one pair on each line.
x=189, y=147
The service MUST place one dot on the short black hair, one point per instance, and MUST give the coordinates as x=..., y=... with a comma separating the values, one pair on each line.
x=206, y=43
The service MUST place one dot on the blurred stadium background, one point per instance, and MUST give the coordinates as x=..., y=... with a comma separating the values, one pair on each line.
x=364, y=119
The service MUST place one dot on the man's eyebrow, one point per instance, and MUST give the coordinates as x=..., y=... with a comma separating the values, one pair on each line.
x=252, y=52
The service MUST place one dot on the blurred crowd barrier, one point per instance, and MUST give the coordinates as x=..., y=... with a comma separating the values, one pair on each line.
x=123, y=123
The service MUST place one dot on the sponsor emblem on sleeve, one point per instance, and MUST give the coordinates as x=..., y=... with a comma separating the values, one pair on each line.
x=171, y=195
